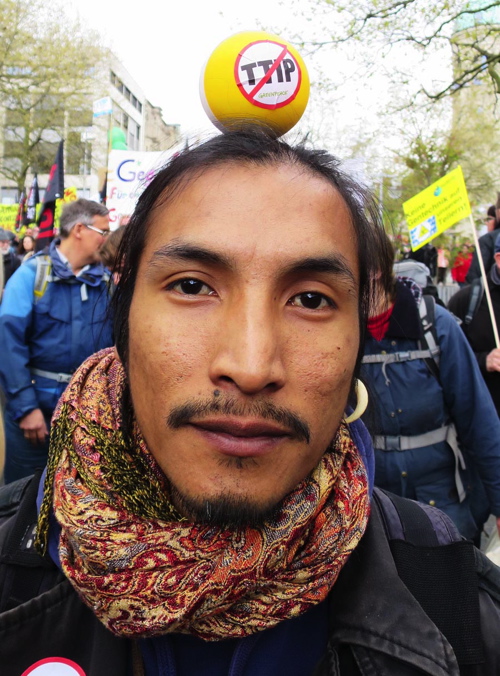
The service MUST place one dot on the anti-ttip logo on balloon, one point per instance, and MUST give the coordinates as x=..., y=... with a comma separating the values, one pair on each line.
x=268, y=74
x=255, y=76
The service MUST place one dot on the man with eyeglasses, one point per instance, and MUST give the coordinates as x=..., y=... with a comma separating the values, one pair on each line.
x=53, y=316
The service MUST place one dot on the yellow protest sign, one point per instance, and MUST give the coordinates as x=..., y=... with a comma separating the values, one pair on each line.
x=436, y=208
x=8, y=213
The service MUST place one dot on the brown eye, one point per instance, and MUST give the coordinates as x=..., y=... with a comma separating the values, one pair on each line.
x=191, y=287
x=311, y=301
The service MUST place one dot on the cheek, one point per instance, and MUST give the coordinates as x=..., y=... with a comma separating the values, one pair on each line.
x=163, y=352
x=327, y=377
x=326, y=370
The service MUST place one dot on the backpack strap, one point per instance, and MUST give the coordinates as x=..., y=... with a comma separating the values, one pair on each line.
x=438, y=568
x=427, y=312
x=398, y=358
x=476, y=295
x=428, y=351
x=42, y=276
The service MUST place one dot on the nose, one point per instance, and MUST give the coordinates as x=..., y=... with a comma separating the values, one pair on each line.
x=248, y=353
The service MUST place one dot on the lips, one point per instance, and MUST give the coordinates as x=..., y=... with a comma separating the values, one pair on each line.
x=242, y=438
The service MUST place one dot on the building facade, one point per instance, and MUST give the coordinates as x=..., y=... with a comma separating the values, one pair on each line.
x=138, y=123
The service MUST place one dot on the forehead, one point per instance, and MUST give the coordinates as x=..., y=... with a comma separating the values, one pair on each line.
x=258, y=213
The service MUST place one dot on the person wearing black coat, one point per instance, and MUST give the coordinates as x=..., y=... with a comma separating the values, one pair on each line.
x=9, y=260
x=486, y=245
x=478, y=329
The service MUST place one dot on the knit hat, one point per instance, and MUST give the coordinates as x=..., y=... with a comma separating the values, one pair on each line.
x=4, y=236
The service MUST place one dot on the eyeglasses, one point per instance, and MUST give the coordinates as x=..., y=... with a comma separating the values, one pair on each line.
x=103, y=233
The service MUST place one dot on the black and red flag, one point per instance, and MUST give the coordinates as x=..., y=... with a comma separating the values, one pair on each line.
x=21, y=211
x=32, y=202
x=54, y=190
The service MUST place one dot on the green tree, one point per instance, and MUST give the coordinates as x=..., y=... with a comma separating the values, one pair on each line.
x=48, y=68
x=413, y=31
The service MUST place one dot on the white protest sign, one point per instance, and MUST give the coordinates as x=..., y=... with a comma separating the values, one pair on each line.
x=129, y=172
x=102, y=106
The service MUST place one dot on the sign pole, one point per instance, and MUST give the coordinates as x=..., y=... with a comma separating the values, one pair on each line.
x=485, y=282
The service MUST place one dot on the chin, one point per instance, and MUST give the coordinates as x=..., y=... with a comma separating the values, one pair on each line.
x=225, y=510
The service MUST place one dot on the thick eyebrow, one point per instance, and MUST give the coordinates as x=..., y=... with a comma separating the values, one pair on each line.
x=334, y=264
x=189, y=252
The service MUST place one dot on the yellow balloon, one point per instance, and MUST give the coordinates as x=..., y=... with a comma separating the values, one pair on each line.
x=255, y=76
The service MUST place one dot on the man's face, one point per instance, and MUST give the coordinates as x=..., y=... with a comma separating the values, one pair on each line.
x=243, y=334
x=490, y=223
x=91, y=238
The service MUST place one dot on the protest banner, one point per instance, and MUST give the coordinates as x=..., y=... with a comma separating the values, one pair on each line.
x=129, y=172
x=437, y=208
x=8, y=213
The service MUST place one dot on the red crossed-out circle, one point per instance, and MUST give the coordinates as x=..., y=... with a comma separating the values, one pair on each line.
x=251, y=96
x=54, y=662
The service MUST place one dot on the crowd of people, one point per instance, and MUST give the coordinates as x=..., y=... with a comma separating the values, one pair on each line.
x=214, y=418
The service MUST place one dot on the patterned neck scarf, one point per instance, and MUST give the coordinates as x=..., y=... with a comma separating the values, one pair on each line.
x=144, y=570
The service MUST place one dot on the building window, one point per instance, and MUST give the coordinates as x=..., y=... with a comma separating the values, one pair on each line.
x=9, y=195
x=134, y=133
x=123, y=89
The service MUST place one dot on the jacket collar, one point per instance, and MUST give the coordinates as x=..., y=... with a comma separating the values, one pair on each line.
x=372, y=608
x=92, y=275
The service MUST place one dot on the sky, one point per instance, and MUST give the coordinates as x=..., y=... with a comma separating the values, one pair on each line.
x=165, y=45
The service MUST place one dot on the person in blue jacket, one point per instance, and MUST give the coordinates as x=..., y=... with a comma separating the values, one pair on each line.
x=436, y=431
x=53, y=316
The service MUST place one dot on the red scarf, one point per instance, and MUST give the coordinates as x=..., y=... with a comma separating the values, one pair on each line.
x=378, y=326
x=146, y=573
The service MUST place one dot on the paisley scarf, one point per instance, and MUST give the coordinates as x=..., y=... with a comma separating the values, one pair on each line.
x=143, y=569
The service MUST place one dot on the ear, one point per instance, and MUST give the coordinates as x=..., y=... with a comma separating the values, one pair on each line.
x=497, y=259
x=76, y=230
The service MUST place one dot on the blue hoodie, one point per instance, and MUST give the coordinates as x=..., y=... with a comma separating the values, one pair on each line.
x=56, y=333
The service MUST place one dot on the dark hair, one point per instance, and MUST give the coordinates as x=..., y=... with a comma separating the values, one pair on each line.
x=385, y=255
x=492, y=213
x=20, y=246
x=109, y=250
x=79, y=211
x=253, y=146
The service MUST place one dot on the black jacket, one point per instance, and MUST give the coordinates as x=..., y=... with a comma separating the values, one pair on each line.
x=377, y=627
x=480, y=331
x=487, y=248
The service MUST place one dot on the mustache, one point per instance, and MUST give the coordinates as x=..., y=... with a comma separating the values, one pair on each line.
x=191, y=411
